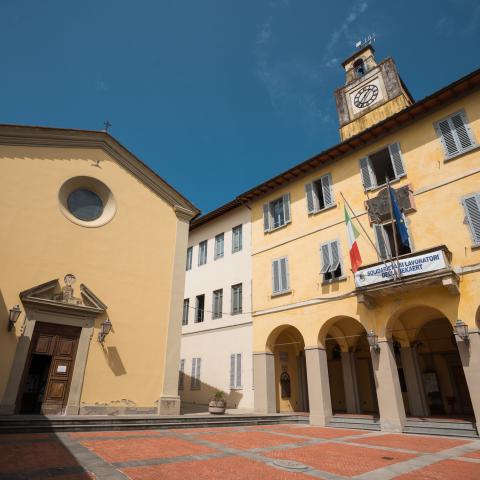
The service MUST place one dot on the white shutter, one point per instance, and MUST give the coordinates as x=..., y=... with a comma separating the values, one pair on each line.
x=326, y=262
x=383, y=243
x=327, y=190
x=286, y=207
x=239, y=371
x=275, y=276
x=284, y=274
x=445, y=130
x=368, y=177
x=334, y=255
x=462, y=131
x=472, y=211
x=396, y=158
x=266, y=217
x=309, y=188
x=232, y=370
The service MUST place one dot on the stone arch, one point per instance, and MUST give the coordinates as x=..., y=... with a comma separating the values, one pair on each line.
x=287, y=330
x=341, y=324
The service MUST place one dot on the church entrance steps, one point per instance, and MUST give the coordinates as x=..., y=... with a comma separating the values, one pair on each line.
x=362, y=422
x=84, y=423
x=441, y=426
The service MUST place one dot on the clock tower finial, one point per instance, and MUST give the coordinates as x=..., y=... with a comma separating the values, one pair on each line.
x=372, y=92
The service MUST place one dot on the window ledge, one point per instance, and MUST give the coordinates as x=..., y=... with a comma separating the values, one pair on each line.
x=475, y=246
x=236, y=388
x=278, y=228
x=219, y=257
x=235, y=313
x=334, y=280
x=316, y=212
x=280, y=294
x=463, y=152
x=194, y=388
x=383, y=185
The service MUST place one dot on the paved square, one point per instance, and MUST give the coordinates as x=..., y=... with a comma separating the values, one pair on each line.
x=278, y=452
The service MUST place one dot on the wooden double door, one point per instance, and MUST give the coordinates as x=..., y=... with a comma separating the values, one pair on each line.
x=49, y=369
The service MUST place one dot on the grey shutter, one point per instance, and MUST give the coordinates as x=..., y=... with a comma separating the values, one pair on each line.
x=310, y=202
x=266, y=217
x=326, y=263
x=445, y=129
x=239, y=370
x=327, y=190
x=276, y=276
x=232, y=370
x=368, y=178
x=472, y=211
x=284, y=274
x=335, y=256
x=382, y=242
x=199, y=363
x=396, y=157
x=194, y=371
x=286, y=207
x=462, y=131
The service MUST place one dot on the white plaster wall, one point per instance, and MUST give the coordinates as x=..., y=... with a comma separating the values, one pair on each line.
x=215, y=340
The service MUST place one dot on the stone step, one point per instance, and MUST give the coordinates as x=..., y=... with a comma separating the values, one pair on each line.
x=356, y=423
x=441, y=427
x=441, y=424
x=69, y=424
x=446, y=432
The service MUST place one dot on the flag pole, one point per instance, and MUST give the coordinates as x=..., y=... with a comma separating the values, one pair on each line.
x=361, y=226
x=394, y=226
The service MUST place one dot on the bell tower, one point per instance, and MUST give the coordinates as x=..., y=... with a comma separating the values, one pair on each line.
x=372, y=92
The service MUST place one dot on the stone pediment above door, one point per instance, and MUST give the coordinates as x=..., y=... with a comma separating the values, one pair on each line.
x=53, y=296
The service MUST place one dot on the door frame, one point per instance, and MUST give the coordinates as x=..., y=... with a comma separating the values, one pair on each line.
x=10, y=402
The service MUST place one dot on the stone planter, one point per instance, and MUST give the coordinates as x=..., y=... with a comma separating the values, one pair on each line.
x=217, y=407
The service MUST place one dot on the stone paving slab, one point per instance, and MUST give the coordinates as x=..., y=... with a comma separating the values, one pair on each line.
x=284, y=452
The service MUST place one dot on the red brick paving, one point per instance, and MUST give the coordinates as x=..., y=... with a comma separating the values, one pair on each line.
x=318, y=432
x=14, y=437
x=210, y=430
x=74, y=476
x=144, y=448
x=412, y=442
x=113, y=433
x=475, y=454
x=231, y=468
x=341, y=459
x=248, y=440
x=33, y=456
x=445, y=470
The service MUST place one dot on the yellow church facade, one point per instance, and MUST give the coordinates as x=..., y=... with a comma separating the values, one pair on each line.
x=92, y=247
x=399, y=337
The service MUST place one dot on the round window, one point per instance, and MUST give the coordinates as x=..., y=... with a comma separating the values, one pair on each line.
x=85, y=204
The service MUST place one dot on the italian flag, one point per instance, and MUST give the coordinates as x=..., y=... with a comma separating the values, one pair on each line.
x=355, y=258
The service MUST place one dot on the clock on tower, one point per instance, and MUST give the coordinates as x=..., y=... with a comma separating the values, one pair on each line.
x=372, y=92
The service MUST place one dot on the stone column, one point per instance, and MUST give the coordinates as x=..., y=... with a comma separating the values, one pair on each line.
x=470, y=355
x=415, y=392
x=318, y=386
x=389, y=394
x=352, y=399
x=265, y=400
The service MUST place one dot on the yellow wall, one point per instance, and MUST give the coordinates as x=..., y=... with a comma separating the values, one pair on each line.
x=127, y=263
x=438, y=219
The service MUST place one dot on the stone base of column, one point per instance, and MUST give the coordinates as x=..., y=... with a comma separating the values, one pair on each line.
x=169, y=405
x=7, y=409
x=319, y=420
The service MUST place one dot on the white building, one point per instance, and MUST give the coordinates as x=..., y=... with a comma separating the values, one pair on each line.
x=216, y=349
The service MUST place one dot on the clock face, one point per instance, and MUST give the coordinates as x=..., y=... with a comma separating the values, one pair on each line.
x=366, y=96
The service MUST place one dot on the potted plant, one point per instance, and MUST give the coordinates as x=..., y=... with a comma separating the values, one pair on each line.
x=217, y=404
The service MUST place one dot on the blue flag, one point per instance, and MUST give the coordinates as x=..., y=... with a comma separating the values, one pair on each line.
x=399, y=220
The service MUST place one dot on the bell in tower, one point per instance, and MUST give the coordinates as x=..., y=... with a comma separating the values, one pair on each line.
x=372, y=92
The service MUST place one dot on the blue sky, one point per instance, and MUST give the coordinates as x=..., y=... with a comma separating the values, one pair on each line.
x=217, y=95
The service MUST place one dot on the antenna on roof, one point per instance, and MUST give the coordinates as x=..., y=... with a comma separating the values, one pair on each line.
x=368, y=40
x=106, y=125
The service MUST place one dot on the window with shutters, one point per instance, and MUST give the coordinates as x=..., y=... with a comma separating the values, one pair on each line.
x=202, y=253
x=181, y=374
x=186, y=308
x=217, y=304
x=386, y=244
x=235, y=370
x=219, y=246
x=189, y=258
x=280, y=282
x=455, y=134
x=195, y=378
x=199, y=308
x=471, y=204
x=276, y=213
x=377, y=167
x=237, y=240
x=237, y=299
x=331, y=262
x=320, y=194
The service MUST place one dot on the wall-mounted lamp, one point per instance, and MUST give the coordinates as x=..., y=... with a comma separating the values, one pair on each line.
x=106, y=327
x=13, y=315
x=372, y=338
x=461, y=329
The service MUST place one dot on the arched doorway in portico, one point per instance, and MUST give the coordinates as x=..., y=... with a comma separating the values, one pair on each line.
x=288, y=347
x=350, y=372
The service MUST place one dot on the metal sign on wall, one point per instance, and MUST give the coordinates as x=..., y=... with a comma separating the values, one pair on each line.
x=416, y=265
